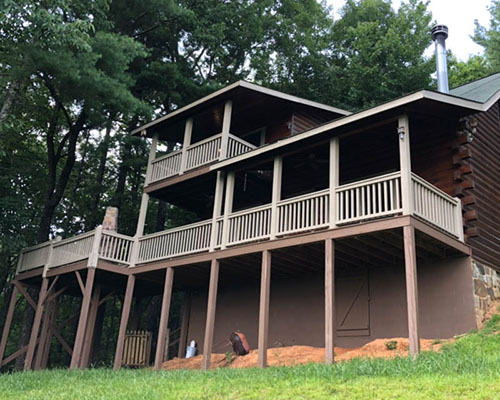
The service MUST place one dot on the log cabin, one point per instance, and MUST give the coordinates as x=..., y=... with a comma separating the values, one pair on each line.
x=312, y=226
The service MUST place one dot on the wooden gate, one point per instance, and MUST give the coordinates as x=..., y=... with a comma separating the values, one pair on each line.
x=137, y=349
x=352, y=299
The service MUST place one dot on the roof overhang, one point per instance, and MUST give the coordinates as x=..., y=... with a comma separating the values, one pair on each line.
x=424, y=101
x=228, y=92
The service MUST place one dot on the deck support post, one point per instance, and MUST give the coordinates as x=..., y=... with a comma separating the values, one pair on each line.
x=127, y=302
x=90, y=329
x=411, y=288
x=142, y=215
x=47, y=345
x=329, y=301
x=217, y=212
x=165, y=312
x=45, y=333
x=334, y=180
x=265, y=288
x=188, y=130
x=8, y=322
x=210, y=324
x=36, y=325
x=82, y=321
x=226, y=126
x=228, y=208
x=151, y=158
x=276, y=194
x=186, y=313
x=405, y=164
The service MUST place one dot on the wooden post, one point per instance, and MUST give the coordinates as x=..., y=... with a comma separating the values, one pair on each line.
x=265, y=287
x=165, y=311
x=94, y=255
x=142, y=215
x=186, y=313
x=82, y=321
x=329, y=301
x=127, y=302
x=276, y=195
x=90, y=329
x=151, y=158
x=188, y=130
x=36, y=325
x=459, y=220
x=334, y=179
x=226, y=126
x=8, y=322
x=217, y=212
x=210, y=324
x=405, y=164
x=44, y=334
x=411, y=288
x=228, y=208
x=52, y=321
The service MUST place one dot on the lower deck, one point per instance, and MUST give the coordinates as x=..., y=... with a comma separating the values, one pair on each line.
x=281, y=292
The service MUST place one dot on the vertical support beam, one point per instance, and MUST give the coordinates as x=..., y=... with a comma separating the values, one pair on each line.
x=36, y=325
x=228, y=208
x=329, y=301
x=8, y=322
x=165, y=311
x=405, y=164
x=459, y=220
x=186, y=313
x=44, y=334
x=334, y=179
x=276, y=195
x=82, y=321
x=94, y=255
x=142, y=215
x=265, y=287
x=52, y=321
x=411, y=288
x=217, y=212
x=188, y=130
x=226, y=126
x=210, y=324
x=151, y=158
x=90, y=329
x=127, y=302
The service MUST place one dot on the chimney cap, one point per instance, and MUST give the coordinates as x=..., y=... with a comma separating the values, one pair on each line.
x=439, y=30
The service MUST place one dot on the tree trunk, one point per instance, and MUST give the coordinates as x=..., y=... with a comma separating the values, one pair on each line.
x=161, y=216
x=10, y=98
x=103, y=153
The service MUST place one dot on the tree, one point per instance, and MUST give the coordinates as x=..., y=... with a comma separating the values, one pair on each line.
x=489, y=38
x=461, y=72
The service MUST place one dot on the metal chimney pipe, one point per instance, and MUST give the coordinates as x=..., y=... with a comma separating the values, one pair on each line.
x=439, y=35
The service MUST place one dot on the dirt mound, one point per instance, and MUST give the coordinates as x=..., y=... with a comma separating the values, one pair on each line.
x=295, y=355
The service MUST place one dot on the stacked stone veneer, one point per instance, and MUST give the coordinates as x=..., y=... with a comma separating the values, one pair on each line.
x=486, y=289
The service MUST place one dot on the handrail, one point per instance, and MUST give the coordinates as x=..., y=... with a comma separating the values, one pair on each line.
x=242, y=141
x=177, y=229
x=73, y=239
x=374, y=179
x=165, y=156
x=202, y=142
x=303, y=197
x=250, y=210
x=434, y=189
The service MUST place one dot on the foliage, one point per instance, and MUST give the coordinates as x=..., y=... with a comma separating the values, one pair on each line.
x=489, y=38
x=461, y=72
x=466, y=369
x=391, y=344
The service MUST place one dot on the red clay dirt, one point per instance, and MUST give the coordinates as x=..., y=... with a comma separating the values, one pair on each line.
x=295, y=355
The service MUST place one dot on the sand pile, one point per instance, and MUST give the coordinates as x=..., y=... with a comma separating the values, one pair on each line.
x=295, y=355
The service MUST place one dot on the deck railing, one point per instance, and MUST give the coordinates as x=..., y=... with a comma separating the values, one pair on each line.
x=354, y=203
x=437, y=207
x=370, y=198
x=196, y=155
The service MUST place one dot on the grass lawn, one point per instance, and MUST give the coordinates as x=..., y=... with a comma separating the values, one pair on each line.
x=466, y=369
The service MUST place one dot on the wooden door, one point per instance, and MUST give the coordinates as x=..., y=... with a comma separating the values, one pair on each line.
x=352, y=299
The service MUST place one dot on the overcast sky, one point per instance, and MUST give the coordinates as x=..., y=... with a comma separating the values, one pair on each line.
x=458, y=15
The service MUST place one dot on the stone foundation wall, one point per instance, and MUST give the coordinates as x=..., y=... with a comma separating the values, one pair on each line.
x=486, y=289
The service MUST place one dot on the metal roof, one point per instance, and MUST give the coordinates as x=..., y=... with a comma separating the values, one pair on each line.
x=481, y=90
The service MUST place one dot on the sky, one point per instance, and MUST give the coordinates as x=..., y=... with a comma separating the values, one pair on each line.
x=458, y=16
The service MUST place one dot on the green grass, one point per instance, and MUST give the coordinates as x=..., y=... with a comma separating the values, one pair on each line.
x=466, y=369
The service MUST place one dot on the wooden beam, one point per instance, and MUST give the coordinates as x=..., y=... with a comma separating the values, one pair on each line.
x=188, y=130
x=25, y=294
x=82, y=321
x=80, y=281
x=265, y=287
x=405, y=164
x=210, y=323
x=47, y=345
x=106, y=298
x=127, y=302
x=276, y=194
x=217, y=210
x=61, y=340
x=329, y=301
x=141, y=221
x=228, y=208
x=226, y=127
x=44, y=334
x=186, y=313
x=334, y=172
x=52, y=287
x=411, y=288
x=8, y=322
x=36, y=326
x=165, y=311
x=90, y=328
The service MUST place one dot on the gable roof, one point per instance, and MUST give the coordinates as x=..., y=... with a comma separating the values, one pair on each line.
x=481, y=90
x=232, y=89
